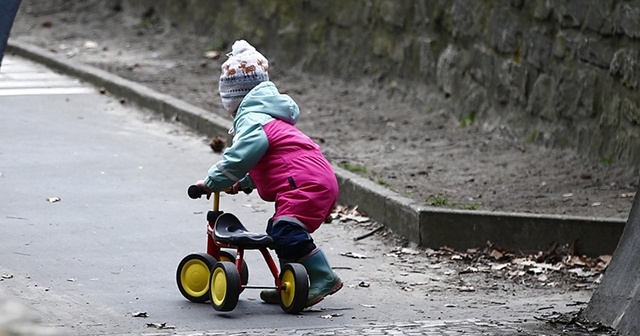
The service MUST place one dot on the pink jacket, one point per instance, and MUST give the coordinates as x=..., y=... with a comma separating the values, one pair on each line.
x=294, y=173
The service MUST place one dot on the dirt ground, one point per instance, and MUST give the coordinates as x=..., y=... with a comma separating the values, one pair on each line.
x=419, y=151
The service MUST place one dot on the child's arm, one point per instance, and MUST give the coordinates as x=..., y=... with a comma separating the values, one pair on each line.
x=250, y=144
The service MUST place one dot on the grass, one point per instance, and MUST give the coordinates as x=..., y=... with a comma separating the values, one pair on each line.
x=382, y=182
x=439, y=200
x=607, y=160
x=354, y=168
x=468, y=120
x=472, y=206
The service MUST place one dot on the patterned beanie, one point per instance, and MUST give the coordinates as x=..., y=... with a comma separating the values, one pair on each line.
x=244, y=69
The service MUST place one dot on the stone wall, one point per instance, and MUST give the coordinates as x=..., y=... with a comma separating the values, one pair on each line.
x=561, y=73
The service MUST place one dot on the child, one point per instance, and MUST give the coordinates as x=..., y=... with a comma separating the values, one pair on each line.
x=286, y=167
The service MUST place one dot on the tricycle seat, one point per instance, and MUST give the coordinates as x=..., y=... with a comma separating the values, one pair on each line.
x=229, y=229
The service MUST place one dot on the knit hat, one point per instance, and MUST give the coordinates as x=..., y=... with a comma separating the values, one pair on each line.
x=244, y=69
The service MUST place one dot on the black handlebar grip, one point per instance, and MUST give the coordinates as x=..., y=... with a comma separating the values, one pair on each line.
x=195, y=192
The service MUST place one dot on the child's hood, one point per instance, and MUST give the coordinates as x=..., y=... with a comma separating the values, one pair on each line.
x=265, y=98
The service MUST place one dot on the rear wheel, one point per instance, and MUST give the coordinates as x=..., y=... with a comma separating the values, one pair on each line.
x=225, y=286
x=294, y=288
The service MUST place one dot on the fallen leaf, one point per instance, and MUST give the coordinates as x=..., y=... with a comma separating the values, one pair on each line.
x=217, y=144
x=54, y=199
x=582, y=273
x=7, y=276
x=160, y=326
x=140, y=314
x=330, y=316
x=499, y=267
x=353, y=255
x=469, y=270
x=497, y=255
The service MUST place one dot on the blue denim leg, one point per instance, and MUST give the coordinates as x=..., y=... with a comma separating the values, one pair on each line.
x=291, y=240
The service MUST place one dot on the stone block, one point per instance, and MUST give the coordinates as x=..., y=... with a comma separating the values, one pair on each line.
x=504, y=31
x=466, y=15
x=599, y=17
x=539, y=103
x=570, y=13
x=627, y=19
x=595, y=51
x=625, y=67
x=538, y=46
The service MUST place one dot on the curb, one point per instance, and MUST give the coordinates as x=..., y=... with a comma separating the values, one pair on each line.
x=426, y=226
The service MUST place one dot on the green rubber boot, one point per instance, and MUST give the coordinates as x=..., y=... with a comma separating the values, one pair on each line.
x=271, y=295
x=323, y=280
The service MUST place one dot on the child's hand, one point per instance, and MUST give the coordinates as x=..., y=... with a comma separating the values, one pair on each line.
x=233, y=189
x=204, y=188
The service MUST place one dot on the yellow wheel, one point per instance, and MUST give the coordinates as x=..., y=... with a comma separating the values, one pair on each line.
x=225, y=286
x=192, y=276
x=294, y=288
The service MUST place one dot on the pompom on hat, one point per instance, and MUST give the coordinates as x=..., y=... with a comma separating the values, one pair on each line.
x=244, y=69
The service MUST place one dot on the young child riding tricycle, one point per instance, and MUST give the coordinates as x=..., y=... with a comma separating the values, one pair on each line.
x=284, y=165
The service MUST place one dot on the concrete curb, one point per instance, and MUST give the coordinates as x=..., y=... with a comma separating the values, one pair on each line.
x=426, y=226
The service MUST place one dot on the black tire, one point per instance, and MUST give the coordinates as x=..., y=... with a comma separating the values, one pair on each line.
x=225, y=286
x=294, y=288
x=244, y=274
x=193, y=276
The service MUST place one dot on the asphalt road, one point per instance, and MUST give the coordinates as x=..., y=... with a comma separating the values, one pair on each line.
x=111, y=244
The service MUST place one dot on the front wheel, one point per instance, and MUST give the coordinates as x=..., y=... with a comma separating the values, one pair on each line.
x=225, y=286
x=192, y=276
x=294, y=288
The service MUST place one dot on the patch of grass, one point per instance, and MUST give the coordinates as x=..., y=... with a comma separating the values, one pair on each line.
x=468, y=120
x=354, y=168
x=607, y=160
x=382, y=182
x=472, y=206
x=428, y=109
x=439, y=200
x=532, y=137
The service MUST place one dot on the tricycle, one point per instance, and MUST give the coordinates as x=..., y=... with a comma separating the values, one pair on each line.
x=220, y=276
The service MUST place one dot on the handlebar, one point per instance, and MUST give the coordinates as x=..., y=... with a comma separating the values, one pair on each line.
x=196, y=192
